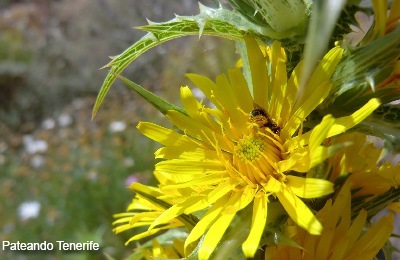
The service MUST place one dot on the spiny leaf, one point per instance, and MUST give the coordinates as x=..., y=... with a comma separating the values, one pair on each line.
x=247, y=10
x=160, y=104
x=160, y=33
x=216, y=22
x=362, y=70
x=270, y=13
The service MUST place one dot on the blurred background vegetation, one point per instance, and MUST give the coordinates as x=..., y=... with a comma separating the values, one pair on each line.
x=63, y=176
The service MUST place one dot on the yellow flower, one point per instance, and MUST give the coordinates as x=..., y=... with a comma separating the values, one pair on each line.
x=142, y=212
x=361, y=163
x=341, y=238
x=249, y=148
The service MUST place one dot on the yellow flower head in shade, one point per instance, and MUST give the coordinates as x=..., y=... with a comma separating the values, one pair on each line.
x=142, y=212
x=173, y=250
x=249, y=148
x=342, y=238
x=363, y=165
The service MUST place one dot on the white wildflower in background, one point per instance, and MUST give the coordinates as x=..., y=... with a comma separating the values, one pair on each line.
x=28, y=210
x=48, y=123
x=33, y=145
x=64, y=120
x=117, y=126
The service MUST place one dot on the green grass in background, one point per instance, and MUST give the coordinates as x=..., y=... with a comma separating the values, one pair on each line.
x=79, y=180
x=49, y=78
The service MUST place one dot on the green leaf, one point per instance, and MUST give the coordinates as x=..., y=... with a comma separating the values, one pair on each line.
x=269, y=13
x=361, y=70
x=247, y=10
x=206, y=22
x=160, y=104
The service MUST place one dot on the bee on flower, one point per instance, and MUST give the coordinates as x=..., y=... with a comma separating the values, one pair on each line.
x=262, y=119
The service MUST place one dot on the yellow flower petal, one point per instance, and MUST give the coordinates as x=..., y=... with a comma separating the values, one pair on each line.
x=298, y=161
x=138, y=187
x=240, y=200
x=321, y=74
x=214, y=235
x=273, y=185
x=309, y=104
x=320, y=132
x=185, y=153
x=239, y=85
x=291, y=93
x=373, y=240
x=228, y=99
x=354, y=232
x=259, y=72
x=341, y=125
x=143, y=216
x=151, y=232
x=210, y=179
x=218, y=192
x=252, y=242
x=344, y=123
x=395, y=206
x=207, y=86
x=194, y=109
x=278, y=79
x=309, y=187
x=166, y=136
x=211, y=215
x=190, y=103
x=299, y=212
x=197, y=130
x=189, y=167
x=174, y=211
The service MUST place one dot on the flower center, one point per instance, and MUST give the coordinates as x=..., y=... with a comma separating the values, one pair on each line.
x=255, y=156
x=249, y=148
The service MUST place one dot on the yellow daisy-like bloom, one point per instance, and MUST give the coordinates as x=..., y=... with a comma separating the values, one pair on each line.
x=142, y=212
x=249, y=148
x=361, y=163
x=341, y=237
